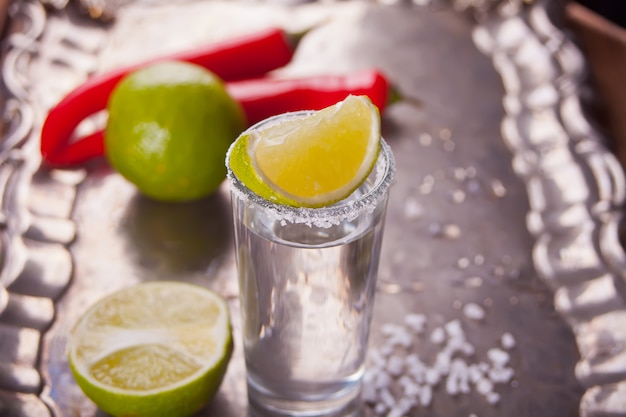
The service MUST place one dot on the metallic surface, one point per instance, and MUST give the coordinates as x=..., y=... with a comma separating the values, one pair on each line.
x=506, y=197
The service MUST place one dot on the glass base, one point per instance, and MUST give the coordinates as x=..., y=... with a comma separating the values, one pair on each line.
x=346, y=403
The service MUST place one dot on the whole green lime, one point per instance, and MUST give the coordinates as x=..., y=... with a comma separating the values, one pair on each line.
x=170, y=125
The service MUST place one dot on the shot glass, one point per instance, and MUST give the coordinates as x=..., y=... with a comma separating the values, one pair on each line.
x=307, y=280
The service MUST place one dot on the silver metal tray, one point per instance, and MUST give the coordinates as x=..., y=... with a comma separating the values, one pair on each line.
x=507, y=198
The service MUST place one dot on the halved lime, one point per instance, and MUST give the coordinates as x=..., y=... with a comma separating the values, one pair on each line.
x=153, y=350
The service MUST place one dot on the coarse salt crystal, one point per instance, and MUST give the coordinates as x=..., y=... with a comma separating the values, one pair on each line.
x=389, y=329
x=442, y=362
x=425, y=139
x=475, y=374
x=387, y=398
x=413, y=209
x=376, y=357
x=416, y=322
x=459, y=370
x=383, y=380
x=413, y=359
x=406, y=404
x=458, y=196
x=438, y=336
x=498, y=356
x=492, y=397
x=453, y=346
x=395, y=412
x=401, y=408
x=463, y=263
x=507, y=341
x=473, y=311
x=395, y=365
x=417, y=371
x=432, y=376
x=402, y=338
x=454, y=329
x=468, y=349
x=410, y=389
x=484, y=386
x=426, y=395
x=452, y=385
x=387, y=349
x=501, y=375
x=369, y=393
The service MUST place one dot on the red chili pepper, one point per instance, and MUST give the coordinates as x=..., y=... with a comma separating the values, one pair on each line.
x=247, y=56
x=262, y=98
x=265, y=97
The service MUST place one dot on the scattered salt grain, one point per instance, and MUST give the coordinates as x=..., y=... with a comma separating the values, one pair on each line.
x=454, y=329
x=395, y=366
x=432, y=376
x=473, y=282
x=390, y=329
x=402, y=339
x=413, y=209
x=452, y=385
x=387, y=349
x=380, y=408
x=498, y=189
x=426, y=187
x=401, y=407
x=398, y=379
x=468, y=349
x=451, y=231
x=493, y=397
x=376, y=358
x=445, y=134
x=473, y=311
x=462, y=263
x=501, y=375
x=368, y=393
x=459, y=174
x=426, y=395
x=484, y=386
x=498, y=357
x=425, y=139
x=438, y=336
x=507, y=341
x=383, y=380
x=409, y=388
x=387, y=398
x=475, y=374
x=416, y=322
x=458, y=196
x=443, y=362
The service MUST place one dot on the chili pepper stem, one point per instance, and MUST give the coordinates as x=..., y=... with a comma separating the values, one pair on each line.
x=294, y=38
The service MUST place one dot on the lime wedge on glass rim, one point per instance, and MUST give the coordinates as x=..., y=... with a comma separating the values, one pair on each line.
x=310, y=161
x=156, y=349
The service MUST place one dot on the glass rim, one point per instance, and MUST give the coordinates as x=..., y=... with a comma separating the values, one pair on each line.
x=346, y=209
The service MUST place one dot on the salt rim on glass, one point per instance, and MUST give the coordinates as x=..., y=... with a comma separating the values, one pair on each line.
x=348, y=209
